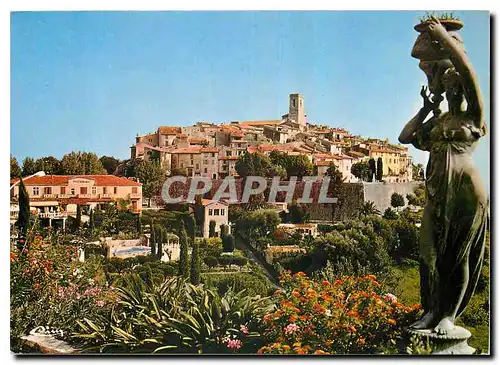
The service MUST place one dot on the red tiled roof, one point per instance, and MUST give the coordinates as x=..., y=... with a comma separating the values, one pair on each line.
x=322, y=163
x=322, y=155
x=194, y=149
x=169, y=130
x=260, y=122
x=197, y=140
x=100, y=180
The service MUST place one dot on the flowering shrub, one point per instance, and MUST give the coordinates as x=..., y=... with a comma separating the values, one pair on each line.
x=349, y=315
x=49, y=286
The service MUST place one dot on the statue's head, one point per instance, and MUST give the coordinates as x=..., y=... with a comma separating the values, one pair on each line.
x=435, y=61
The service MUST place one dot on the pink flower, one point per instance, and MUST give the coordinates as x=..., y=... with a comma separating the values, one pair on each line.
x=291, y=328
x=234, y=344
x=244, y=329
x=100, y=303
x=390, y=297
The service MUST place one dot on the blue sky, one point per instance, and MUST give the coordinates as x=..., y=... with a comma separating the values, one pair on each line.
x=91, y=81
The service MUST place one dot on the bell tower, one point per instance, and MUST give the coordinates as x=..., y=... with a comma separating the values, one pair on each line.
x=296, y=110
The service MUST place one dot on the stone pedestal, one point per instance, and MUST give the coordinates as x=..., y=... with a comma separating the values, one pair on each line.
x=453, y=343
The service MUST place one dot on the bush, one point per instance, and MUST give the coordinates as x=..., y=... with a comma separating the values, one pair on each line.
x=348, y=316
x=390, y=214
x=211, y=261
x=250, y=282
x=228, y=243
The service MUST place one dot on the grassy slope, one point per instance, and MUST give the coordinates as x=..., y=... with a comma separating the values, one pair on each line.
x=406, y=286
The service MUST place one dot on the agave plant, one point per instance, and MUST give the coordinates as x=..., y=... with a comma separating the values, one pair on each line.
x=368, y=208
x=175, y=317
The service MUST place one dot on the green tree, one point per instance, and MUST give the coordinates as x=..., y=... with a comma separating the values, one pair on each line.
x=224, y=230
x=380, y=169
x=299, y=166
x=23, y=217
x=297, y=213
x=418, y=171
x=178, y=171
x=152, y=177
x=152, y=238
x=78, y=219
x=397, y=200
x=335, y=174
x=50, y=165
x=81, y=163
x=15, y=170
x=183, y=260
x=160, y=237
x=211, y=229
x=195, y=264
x=109, y=163
x=138, y=224
x=29, y=166
x=418, y=198
x=361, y=170
x=228, y=243
x=253, y=164
x=91, y=219
x=373, y=169
x=199, y=210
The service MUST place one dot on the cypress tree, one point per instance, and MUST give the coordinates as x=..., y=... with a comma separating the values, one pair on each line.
x=152, y=238
x=183, y=260
x=91, y=219
x=78, y=219
x=195, y=265
x=24, y=216
x=138, y=224
x=371, y=163
x=159, y=244
x=211, y=229
x=380, y=169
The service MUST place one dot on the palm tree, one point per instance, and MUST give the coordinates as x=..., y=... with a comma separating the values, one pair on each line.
x=368, y=208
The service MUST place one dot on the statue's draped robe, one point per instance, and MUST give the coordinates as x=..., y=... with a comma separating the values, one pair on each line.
x=452, y=237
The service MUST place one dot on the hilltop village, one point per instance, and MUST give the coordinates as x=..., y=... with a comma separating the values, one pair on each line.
x=211, y=150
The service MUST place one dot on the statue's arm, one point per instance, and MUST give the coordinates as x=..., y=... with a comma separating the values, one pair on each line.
x=464, y=67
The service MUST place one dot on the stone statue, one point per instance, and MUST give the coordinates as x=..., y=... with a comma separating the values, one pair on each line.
x=452, y=237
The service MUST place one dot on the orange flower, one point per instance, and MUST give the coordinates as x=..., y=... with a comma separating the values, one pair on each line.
x=320, y=352
x=300, y=274
x=391, y=321
x=337, y=282
x=297, y=344
x=325, y=282
x=293, y=318
x=36, y=286
x=285, y=347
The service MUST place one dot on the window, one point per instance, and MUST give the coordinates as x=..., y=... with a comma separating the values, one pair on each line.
x=115, y=190
x=36, y=190
x=134, y=190
x=206, y=170
x=72, y=191
x=104, y=189
x=197, y=166
x=192, y=162
x=210, y=212
x=228, y=153
x=212, y=154
x=83, y=190
x=182, y=165
x=94, y=190
x=214, y=176
x=213, y=162
x=47, y=190
x=63, y=190
x=216, y=211
x=205, y=162
x=222, y=212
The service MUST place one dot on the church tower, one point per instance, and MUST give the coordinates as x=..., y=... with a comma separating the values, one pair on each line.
x=296, y=110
